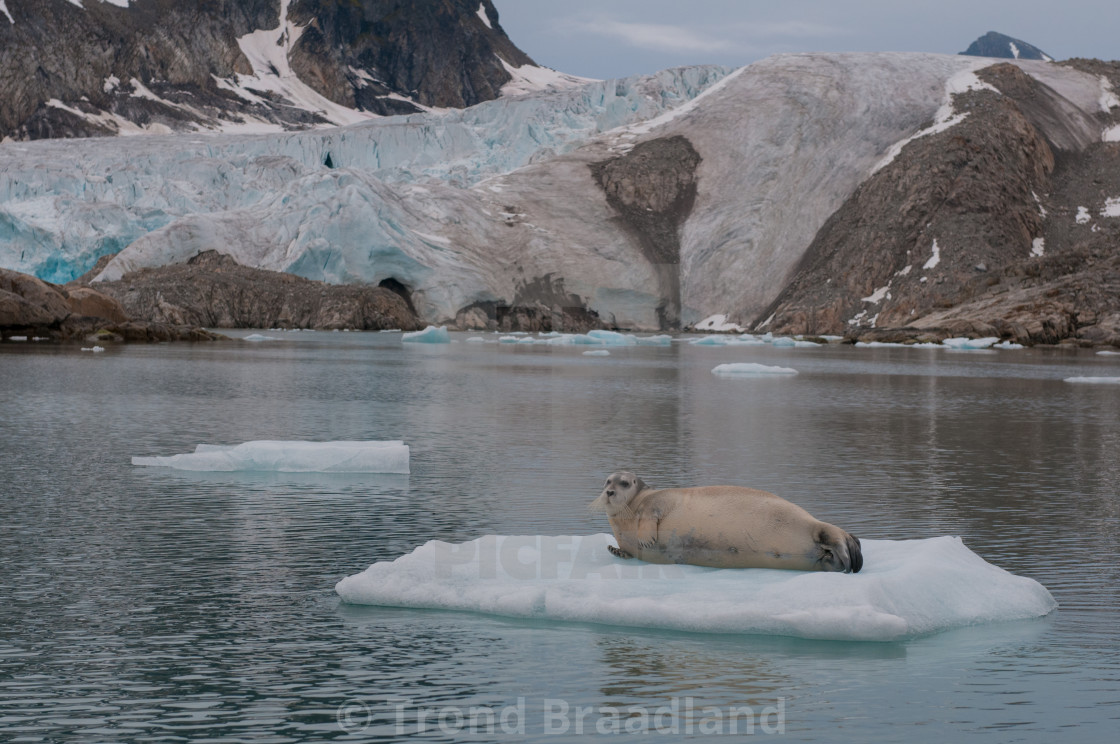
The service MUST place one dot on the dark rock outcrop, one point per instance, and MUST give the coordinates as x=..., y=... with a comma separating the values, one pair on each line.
x=994, y=44
x=539, y=306
x=31, y=307
x=653, y=189
x=63, y=66
x=215, y=291
x=973, y=231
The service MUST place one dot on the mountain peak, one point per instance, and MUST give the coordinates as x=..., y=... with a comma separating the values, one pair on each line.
x=1002, y=46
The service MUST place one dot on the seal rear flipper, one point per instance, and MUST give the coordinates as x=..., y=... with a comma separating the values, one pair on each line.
x=855, y=552
x=619, y=552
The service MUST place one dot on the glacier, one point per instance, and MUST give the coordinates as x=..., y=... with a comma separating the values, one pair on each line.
x=467, y=206
x=907, y=588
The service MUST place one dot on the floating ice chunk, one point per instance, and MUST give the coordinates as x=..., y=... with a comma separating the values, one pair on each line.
x=17, y=338
x=508, y=340
x=787, y=342
x=430, y=335
x=750, y=369
x=1109, y=353
x=1007, y=345
x=906, y=588
x=745, y=339
x=884, y=344
x=94, y=349
x=476, y=340
x=291, y=457
x=608, y=338
x=970, y=343
x=259, y=337
x=597, y=352
x=1094, y=380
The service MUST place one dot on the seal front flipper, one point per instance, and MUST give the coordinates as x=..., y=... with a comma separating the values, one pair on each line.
x=619, y=552
x=646, y=533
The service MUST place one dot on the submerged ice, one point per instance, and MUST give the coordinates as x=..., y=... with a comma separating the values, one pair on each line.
x=291, y=457
x=906, y=588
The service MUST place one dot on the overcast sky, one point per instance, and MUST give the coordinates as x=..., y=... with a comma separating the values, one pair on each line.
x=615, y=38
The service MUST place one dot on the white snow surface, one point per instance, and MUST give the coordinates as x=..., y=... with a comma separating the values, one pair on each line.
x=750, y=369
x=1112, y=134
x=907, y=588
x=935, y=258
x=1111, y=207
x=446, y=203
x=291, y=457
x=430, y=335
x=481, y=13
x=4, y=10
x=1038, y=247
x=1082, y=216
x=717, y=322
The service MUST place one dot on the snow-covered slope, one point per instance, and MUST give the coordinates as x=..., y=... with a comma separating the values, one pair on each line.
x=481, y=205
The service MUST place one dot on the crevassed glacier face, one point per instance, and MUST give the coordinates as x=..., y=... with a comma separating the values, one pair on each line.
x=63, y=204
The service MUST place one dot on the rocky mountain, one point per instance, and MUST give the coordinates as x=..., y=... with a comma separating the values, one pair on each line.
x=214, y=291
x=860, y=194
x=77, y=68
x=994, y=44
x=32, y=308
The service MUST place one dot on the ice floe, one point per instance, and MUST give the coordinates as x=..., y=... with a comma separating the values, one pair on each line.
x=1109, y=353
x=259, y=337
x=291, y=457
x=1094, y=380
x=430, y=335
x=970, y=343
x=597, y=352
x=94, y=349
x=750, y=369
x=907, y=588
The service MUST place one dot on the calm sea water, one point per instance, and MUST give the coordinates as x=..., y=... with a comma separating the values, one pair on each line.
x=147, y=605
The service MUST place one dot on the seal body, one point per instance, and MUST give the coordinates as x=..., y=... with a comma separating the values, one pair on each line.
x=723, y=527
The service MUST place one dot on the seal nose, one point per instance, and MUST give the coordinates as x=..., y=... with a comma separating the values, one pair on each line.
x=610, y=492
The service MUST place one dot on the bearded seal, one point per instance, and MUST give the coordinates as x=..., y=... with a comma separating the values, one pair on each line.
x=722, y=527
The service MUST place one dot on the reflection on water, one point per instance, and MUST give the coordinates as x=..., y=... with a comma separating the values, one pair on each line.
x=141, y=603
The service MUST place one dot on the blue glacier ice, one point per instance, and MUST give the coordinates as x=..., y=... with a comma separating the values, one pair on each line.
x=430, y=335
x=63, y=204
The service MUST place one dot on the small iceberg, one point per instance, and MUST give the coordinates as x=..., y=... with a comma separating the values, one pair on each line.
x=259, y=337
x=1094, y=380
x=608, y=338
x=290, y=457
x=597, y=352
x=430, y=335
x=750, y=369
x=970, y=343
x=94, y=349
x=907, y=588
